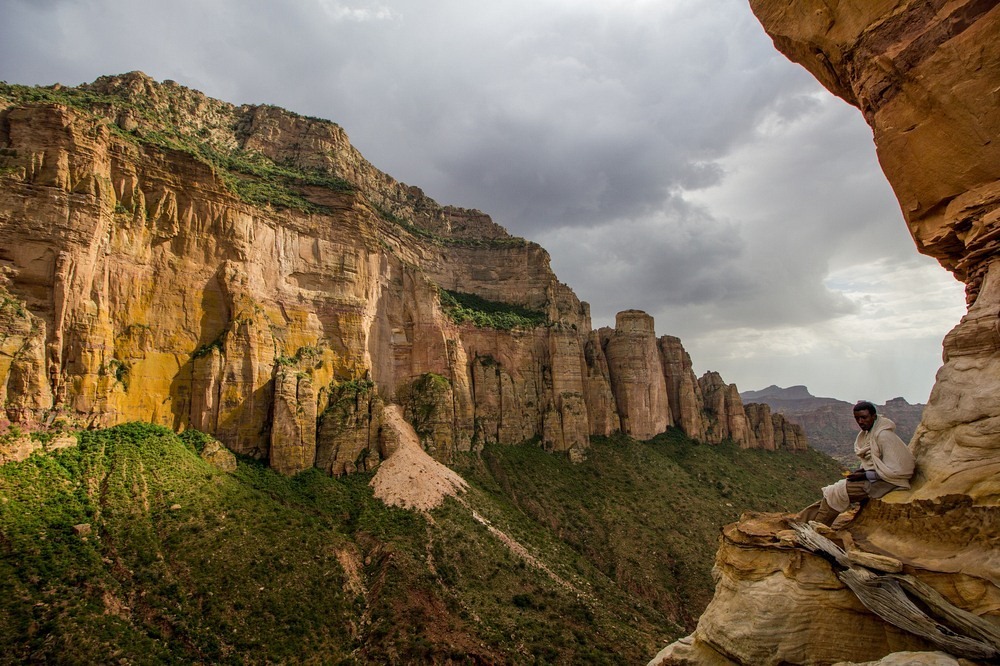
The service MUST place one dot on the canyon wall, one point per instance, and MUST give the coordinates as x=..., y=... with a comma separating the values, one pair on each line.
x=925, y=75
x=244, y=271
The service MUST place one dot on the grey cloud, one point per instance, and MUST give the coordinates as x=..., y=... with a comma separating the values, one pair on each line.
x=666, y=156
x=686, y=261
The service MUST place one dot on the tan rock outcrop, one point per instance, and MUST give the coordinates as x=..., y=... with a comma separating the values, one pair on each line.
x=761, y=424
x=195, y=264
x=925, y=76
x=157, y=289
x=491, y=385
x=788, y=436
x=935, y=658
x=636, y=374
x=566, y=423
x=16, y=449
x=602, y=411
x=925, y=79
x=772, y=431
x=348, y=434
x=686, y=402
x=428, y=406
x=293, y=425
x=957, y=444
x=724, y=413
x=508, y=388
x=24, y=393
x=776, y=604
x=219, y=456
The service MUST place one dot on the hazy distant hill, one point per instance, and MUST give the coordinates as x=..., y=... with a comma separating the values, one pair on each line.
x=828, y=422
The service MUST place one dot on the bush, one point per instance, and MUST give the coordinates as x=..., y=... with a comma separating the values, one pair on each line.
x=484, y=313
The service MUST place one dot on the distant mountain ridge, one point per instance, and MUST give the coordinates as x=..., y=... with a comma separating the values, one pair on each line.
x=829, y=422
x=791, y=393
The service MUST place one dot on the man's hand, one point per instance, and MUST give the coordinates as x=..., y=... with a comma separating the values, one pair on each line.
x=857, y=475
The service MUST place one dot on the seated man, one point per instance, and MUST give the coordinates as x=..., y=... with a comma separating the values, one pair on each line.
x=886, y=465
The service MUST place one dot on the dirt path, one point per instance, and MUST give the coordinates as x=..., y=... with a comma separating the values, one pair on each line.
x=410, y=478
x=514, y=546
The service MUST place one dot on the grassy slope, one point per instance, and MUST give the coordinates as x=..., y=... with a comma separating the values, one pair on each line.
x=648, y=514
x=250, y=566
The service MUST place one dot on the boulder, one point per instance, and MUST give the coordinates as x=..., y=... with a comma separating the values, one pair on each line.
x=218, y=456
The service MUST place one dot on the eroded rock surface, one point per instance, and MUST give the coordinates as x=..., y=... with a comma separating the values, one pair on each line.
x=637, y=379
x=925, y=75
x=725, y=415
x=788, y=435
x=686, y=401
x=767, y=581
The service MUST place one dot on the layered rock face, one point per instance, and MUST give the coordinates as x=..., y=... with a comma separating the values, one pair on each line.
x=787, y=435
x=777, y=604
x=925, y=75
x=638, y=382
x=24, y=393
x=158, y=284
x=172, y=258
x=726, y=418
x=687, y=404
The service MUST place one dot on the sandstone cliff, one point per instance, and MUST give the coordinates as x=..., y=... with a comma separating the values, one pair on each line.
x=172, y=258
x=925, y=75
x=687, y=404
x=726, y=418
x=637, y=382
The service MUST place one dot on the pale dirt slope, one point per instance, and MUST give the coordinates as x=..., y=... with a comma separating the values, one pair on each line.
x=410, y=478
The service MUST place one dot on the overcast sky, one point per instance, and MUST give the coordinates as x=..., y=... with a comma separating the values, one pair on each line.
x=662, y=151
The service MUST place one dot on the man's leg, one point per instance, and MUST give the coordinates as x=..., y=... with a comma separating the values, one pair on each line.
x=826, y=514
x=808, y=513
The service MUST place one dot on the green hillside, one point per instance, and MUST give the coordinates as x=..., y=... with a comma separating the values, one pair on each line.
x=541, y=561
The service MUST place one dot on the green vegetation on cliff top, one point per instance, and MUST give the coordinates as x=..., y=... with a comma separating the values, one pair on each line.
x=184, y=563
x=254, y=178
x=484, y=313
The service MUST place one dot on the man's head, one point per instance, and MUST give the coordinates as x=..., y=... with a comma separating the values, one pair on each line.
x=864, y=415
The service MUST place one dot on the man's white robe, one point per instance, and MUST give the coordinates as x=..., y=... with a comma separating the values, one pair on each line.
x=881, y=451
